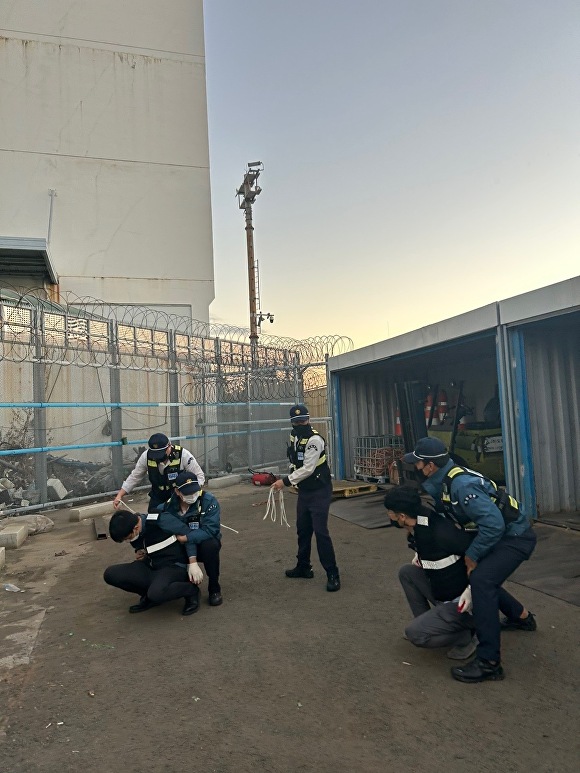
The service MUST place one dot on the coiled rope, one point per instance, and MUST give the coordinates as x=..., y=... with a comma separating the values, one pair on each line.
x=272, y=510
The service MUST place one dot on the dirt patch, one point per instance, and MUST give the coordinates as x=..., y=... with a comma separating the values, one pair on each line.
x=283, y=677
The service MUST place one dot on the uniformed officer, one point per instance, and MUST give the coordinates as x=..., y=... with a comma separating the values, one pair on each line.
x=311, y=474
x=161, y=462
x=504, y=539
x=161, y=570
x=435, y=582
x=200, y=512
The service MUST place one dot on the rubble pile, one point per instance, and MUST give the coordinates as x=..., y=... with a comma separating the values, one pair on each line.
x=67, y=479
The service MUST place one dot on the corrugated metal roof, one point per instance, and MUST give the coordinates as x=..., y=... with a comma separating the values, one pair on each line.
x=553, y=299
x=26, y=257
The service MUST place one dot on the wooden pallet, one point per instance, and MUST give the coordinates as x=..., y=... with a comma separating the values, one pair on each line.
x=349, y=488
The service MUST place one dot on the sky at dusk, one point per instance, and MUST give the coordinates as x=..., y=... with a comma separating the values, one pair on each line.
x=421, y=158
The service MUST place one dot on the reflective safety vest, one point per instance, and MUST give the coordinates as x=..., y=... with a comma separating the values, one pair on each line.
x=506, y=504
x=296, y=449
x=162, y=549
x=441, y=546
x=162, y=483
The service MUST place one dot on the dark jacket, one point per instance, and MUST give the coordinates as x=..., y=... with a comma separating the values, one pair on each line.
x=441, y=545
x=202, y=519
x=471, y=502
x=158, y=538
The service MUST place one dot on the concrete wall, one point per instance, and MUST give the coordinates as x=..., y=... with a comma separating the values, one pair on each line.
x=106, y=104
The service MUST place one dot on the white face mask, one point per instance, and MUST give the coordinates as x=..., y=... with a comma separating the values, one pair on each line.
x=191, y=498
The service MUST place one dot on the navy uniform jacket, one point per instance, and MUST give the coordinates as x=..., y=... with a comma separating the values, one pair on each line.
x=471, y=502
x=203, y=514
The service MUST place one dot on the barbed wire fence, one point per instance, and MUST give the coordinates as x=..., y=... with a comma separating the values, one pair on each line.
x=85, y=383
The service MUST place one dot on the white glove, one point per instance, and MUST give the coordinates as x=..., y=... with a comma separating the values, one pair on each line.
x=415, y=560
x=195, y=573
x=465, y=603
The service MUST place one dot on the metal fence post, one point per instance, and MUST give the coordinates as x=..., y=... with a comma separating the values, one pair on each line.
x=173, y=385
x=205, y=418
x=249, y=412
x=116, y=413
x=39, y=396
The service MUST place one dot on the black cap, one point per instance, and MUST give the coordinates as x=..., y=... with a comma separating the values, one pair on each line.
x=187, y=483
x=158, y=445
x=426, y=450
x=299, y=413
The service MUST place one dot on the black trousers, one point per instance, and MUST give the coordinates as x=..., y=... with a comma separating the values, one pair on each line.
x=208, y=553
x=488, y=595
x=312, y=518
x=168, y=583
x=159, y=585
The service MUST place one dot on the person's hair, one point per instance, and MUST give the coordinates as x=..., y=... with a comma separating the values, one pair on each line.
x=404, y=499
x=439, y=462
x=122, y=524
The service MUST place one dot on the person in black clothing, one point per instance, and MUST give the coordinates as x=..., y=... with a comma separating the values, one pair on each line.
x=161, y=569
x=311, y=473
x=435, y=582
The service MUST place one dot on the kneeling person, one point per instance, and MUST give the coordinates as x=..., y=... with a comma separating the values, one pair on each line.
x=199, y=512
x=161, y=571
x=435, y=582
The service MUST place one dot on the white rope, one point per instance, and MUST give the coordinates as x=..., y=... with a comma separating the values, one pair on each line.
x=222, y=525
x=271, y=508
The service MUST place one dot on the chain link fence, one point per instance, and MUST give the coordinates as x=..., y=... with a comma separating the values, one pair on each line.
x=86, y=383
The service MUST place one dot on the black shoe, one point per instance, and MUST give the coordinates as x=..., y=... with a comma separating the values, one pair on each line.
x=300, y=571
x=144, y=604
x=215, y=599
x=527, y=624
x=190, y=606
x=478, y=670
x=333, y=582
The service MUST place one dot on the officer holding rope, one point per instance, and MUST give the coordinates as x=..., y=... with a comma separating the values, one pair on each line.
x=311, y=474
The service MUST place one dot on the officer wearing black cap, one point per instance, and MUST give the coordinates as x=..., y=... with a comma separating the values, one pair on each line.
x=504, y=539
x=200, y=512
x=161, y=462
x=311, y=474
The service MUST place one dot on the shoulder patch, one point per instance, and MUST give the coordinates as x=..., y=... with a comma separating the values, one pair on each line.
x=468, y=498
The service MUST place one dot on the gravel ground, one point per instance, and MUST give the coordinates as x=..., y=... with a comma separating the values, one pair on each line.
x=283, y=677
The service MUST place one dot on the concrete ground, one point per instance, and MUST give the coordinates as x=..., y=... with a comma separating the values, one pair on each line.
x=283, y=678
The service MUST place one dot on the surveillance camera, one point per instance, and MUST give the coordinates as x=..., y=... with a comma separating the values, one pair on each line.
x=272, y=318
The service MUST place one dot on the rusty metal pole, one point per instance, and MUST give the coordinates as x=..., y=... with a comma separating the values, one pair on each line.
x=252, y=283
x=246, y=194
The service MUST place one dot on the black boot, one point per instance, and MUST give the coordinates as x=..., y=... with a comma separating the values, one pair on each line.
x=300, y=571
x=191, y=605
x=527, y=624
x=333, y=581
x=478, y=670
x=144, y=604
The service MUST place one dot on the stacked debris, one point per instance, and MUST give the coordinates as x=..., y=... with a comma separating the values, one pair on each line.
x=67, y=479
